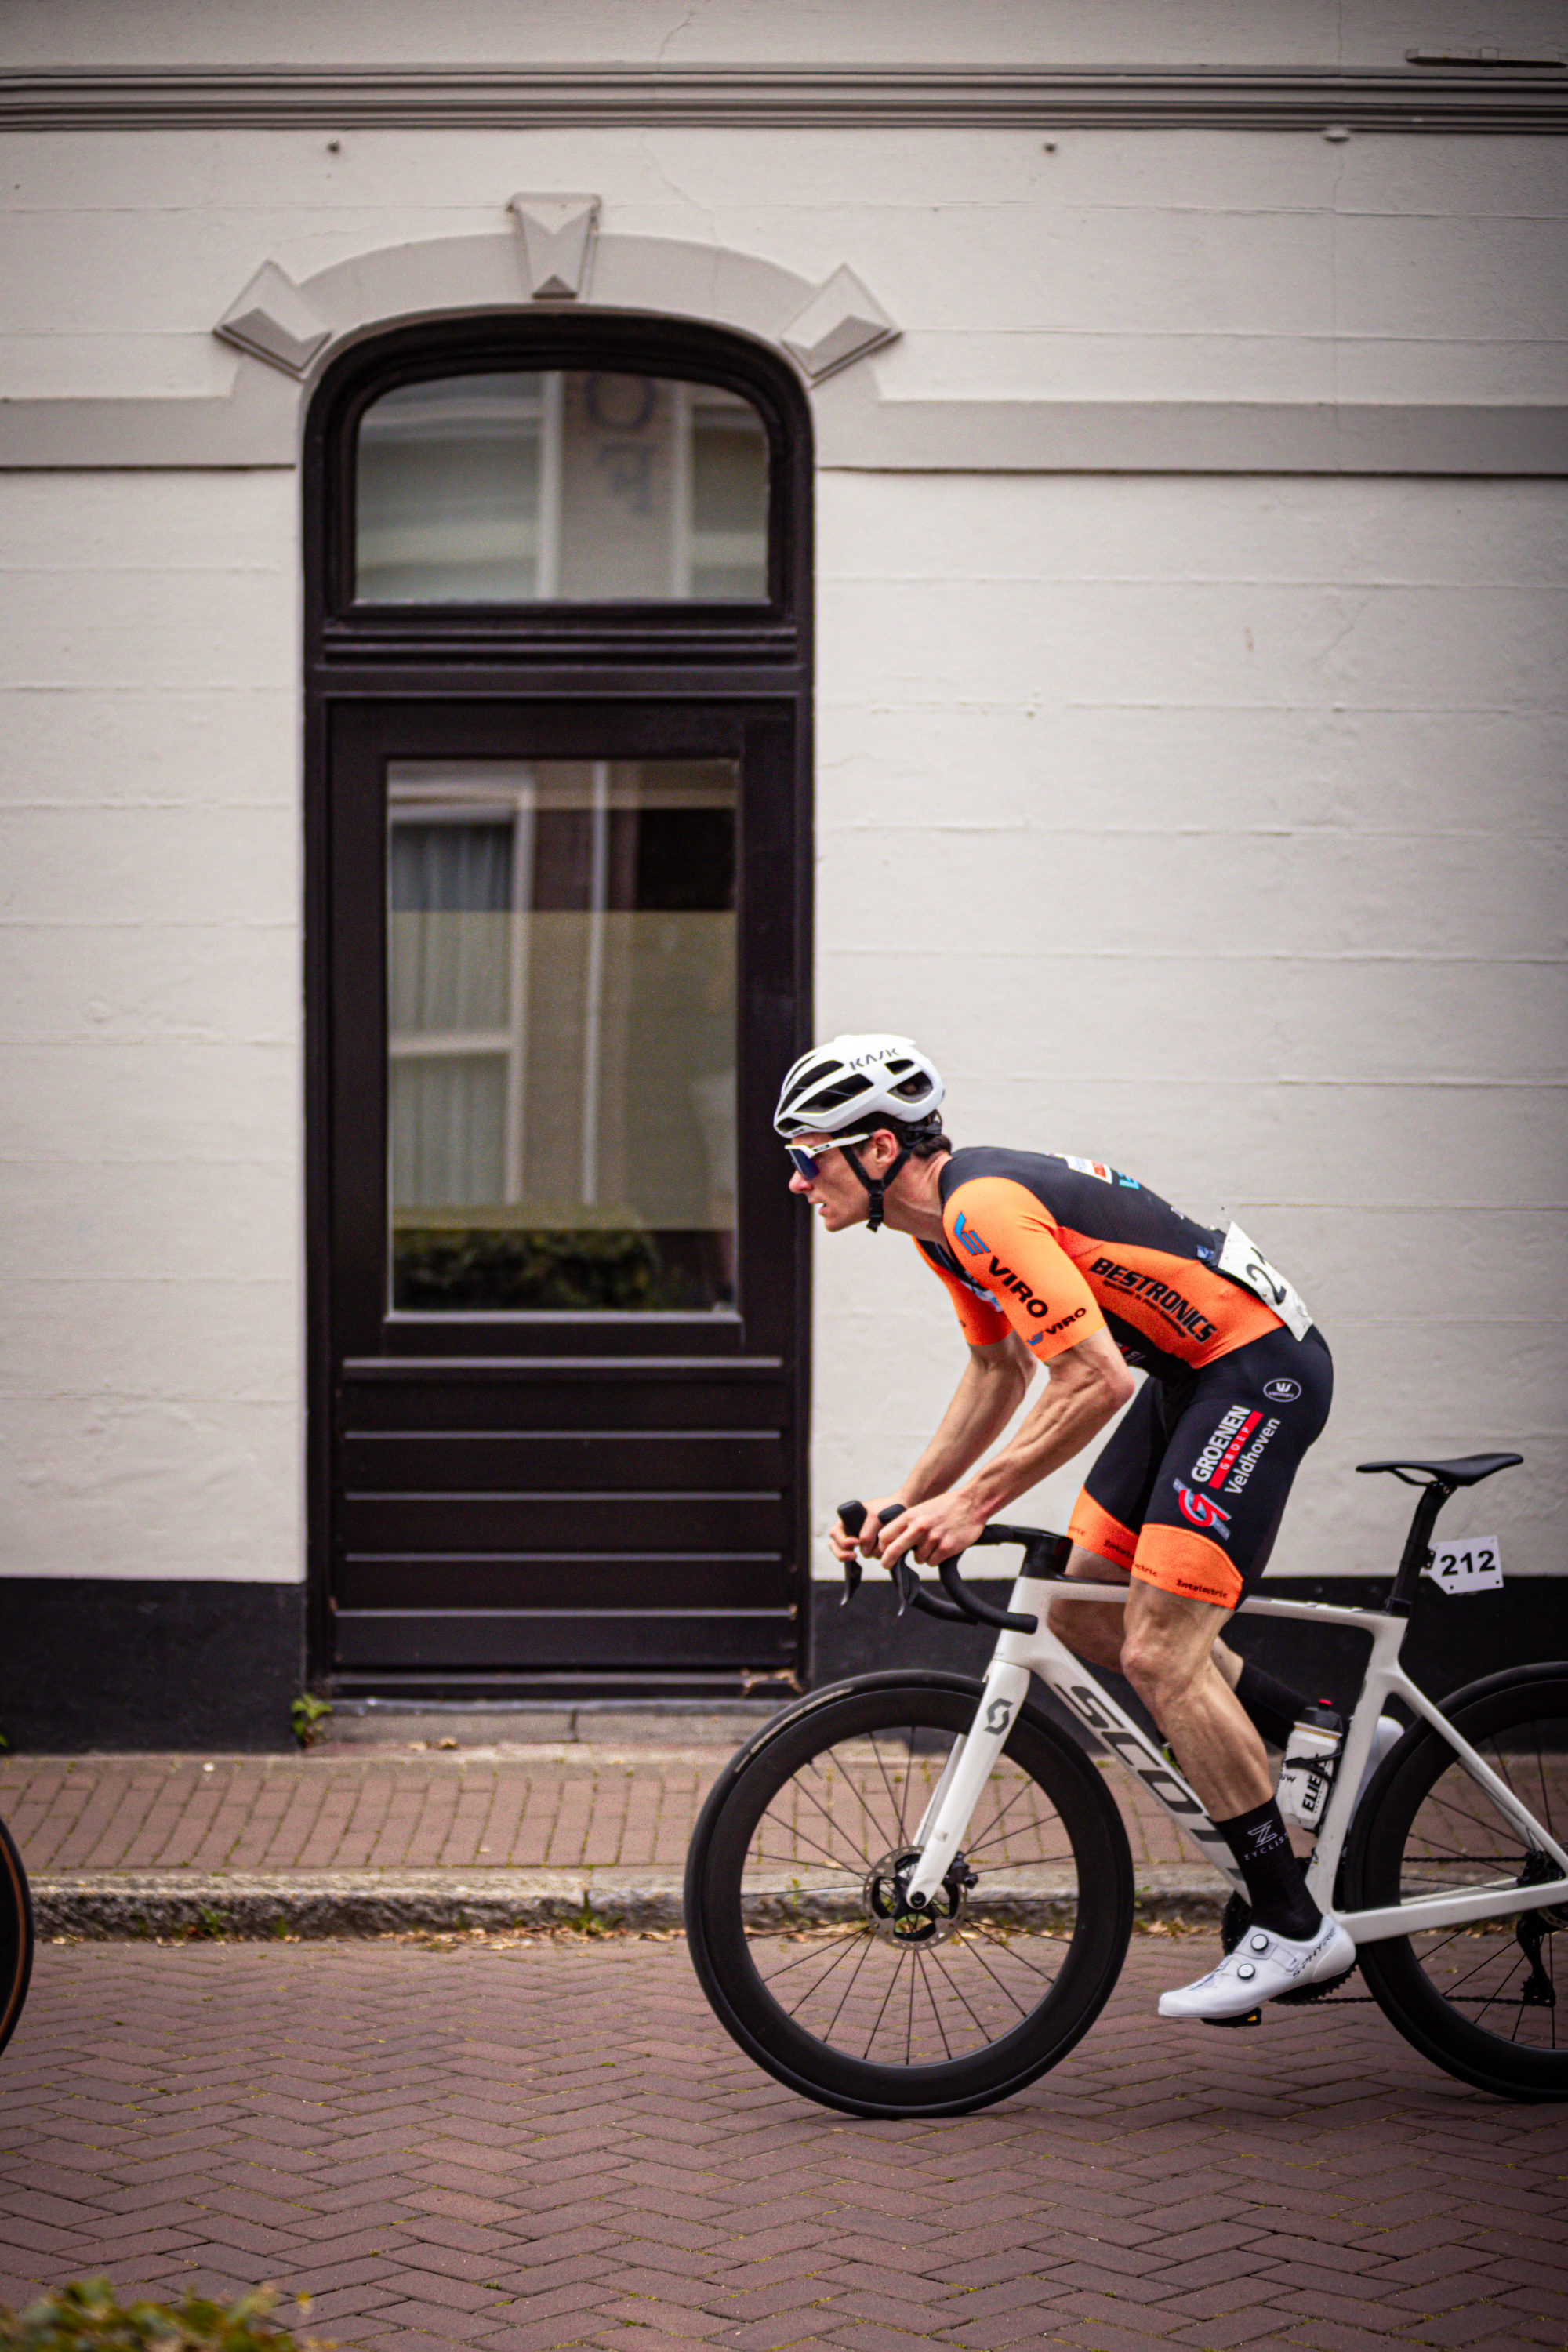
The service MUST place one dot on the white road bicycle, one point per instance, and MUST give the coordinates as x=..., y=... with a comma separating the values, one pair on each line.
x=911, y=1894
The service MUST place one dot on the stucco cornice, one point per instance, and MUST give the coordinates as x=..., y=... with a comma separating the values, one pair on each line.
x=857, y=426
x=442, y=97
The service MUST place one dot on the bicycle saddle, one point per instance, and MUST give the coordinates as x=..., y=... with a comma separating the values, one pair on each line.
x=1469, y=1471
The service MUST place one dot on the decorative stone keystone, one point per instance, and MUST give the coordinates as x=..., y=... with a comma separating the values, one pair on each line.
x=840, y=323
x=273, y=321
x=557, y=233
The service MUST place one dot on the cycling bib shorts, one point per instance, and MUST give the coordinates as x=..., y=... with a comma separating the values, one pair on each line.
x=1188, y=1493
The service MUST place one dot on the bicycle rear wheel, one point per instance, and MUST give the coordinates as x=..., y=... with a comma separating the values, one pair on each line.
x=793, y=1916
x=16, y=1936
x=1483, y=2001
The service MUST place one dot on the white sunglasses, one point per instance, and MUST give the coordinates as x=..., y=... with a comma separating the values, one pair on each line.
x=806, y=1163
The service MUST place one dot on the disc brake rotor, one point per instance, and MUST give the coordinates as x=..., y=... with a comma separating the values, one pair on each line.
x=887, y=1910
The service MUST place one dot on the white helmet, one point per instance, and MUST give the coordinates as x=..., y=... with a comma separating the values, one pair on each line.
x=855, y=1082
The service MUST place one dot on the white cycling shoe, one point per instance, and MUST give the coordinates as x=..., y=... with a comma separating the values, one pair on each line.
x=1261, y=1968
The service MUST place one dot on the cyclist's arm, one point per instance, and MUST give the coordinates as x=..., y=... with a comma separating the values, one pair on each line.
x=1088, y=1383
x=989, y=1392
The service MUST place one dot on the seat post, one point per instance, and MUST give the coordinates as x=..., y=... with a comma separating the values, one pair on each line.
x=1418, y=1553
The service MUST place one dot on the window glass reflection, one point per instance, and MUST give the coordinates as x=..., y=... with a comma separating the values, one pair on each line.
x=572, y=487
x=561, y=994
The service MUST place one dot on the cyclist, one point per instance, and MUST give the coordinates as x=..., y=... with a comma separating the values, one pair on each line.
x=1070, y=1264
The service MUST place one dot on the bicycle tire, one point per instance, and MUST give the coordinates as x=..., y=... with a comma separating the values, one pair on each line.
x=998, y=1991
x=16, y=1936
x=1479, y=2001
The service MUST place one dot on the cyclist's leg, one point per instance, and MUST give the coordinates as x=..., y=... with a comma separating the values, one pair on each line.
x=1107, y=1517
x=1105, y=1521
x=1210, y=1524
x=1168, y=1657
x=1213, y=1509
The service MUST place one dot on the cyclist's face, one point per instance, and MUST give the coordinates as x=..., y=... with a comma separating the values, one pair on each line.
x=833, y=1190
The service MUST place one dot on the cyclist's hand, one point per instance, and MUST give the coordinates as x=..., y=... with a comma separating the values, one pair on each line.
x=934, y=1530
x=845, y=1546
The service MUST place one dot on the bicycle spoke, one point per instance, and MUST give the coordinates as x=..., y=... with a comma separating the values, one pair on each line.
x=886, y=1997
x=812, y=1798
x=841, y=1942
x=936, y=2013
x=831, y=1860
x=844, y=1947
x=958, y=1992
x=1005, y=1990
x=909, y=2028
x=978, y=1928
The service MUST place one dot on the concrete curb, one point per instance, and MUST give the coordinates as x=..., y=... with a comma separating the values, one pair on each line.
x=128, y=1905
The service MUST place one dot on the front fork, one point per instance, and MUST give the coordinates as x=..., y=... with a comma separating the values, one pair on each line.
x=970, y=1765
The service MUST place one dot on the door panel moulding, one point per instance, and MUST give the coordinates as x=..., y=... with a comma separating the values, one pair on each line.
x=285, y=333
x=1468, y=98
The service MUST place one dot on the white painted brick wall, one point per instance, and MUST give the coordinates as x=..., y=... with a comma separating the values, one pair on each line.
x=151, y=1177
x=1217, y=829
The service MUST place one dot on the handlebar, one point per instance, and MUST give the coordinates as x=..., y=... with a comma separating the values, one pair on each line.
x=1043, y=1554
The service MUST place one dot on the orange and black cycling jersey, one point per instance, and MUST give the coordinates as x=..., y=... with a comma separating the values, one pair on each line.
x=1054, y=1248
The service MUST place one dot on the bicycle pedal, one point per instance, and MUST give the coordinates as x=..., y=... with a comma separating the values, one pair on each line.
x=1253, y=2017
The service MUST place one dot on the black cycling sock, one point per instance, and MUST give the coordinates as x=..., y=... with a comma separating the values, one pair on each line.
x=1272, y=1706
x=1276, y=1885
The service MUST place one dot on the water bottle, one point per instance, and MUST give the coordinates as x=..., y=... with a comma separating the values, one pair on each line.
x=1307, y=1774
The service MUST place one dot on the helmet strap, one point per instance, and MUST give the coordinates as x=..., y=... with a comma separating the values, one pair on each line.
x=875, y=1185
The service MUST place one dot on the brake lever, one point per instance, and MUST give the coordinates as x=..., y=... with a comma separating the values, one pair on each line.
x=852, y=1519
x=912, y=1592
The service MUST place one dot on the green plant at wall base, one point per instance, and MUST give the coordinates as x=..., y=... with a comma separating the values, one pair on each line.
x=309, y=1713
x=87, y=2316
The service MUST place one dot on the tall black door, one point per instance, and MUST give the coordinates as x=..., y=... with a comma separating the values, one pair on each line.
x=558, y=925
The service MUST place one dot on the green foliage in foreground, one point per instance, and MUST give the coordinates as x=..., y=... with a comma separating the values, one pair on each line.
x=87, y=2316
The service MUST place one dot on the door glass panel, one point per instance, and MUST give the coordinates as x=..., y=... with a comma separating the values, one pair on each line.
x=565, y=486
x=561, y=1034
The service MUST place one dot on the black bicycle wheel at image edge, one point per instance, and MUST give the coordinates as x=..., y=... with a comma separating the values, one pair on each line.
x=1480, y=2001
x=822, y=1974
x=16, y=1936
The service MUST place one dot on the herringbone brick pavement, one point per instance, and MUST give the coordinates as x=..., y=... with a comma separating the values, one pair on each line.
x=523, y=2147
x=580, y=1807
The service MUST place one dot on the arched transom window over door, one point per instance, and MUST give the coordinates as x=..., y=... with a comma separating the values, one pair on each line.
x=559, y=671
x=582, y=485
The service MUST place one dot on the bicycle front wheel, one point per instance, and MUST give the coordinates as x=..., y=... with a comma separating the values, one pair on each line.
x=794, y=1922
x=16, y=1936
x=1480, y=2001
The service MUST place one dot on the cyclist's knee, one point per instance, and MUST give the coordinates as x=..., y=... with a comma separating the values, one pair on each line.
x=1167, y=1650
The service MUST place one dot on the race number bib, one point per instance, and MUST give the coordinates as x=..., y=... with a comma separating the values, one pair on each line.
x=1247, y=1266
x=1473, y=1566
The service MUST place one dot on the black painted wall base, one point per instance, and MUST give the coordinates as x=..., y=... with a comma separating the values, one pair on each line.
x=110, y=1663
x=1451, y=1640
x=101, y=1662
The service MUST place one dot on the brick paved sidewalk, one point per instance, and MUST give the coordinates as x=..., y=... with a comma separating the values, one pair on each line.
x=365, y=1832
x=554, y=2146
